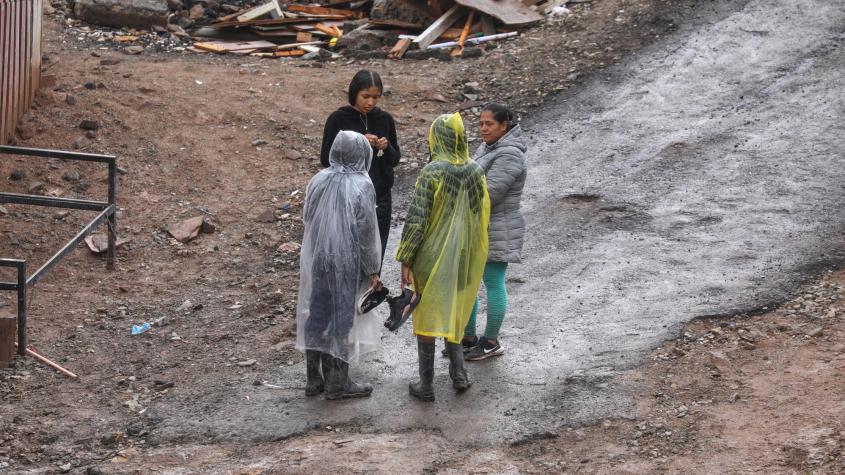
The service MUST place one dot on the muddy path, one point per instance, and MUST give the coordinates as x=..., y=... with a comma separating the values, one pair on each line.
x=697, y=178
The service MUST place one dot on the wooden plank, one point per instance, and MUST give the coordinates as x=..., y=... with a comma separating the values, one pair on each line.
x=399, y=49
x=8, y=333
x=299, y=45
x=317, y=10
x=385, y=24
x=287, y=53
x=229, y=46
x=439, y=26
x=303, y=37
x=331, y=31
x=270, y=7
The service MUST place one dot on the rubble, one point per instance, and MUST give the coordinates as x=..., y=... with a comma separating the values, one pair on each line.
x=120, y=13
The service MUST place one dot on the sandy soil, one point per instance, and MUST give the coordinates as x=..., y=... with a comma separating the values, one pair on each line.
x=183, y=127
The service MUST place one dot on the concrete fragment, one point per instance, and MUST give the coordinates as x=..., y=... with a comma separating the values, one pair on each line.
x=121, y=13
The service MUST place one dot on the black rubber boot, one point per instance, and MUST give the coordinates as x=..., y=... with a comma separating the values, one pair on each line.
x=314, y=384
x=423, y=390
x=340, y=386
x=460, y=379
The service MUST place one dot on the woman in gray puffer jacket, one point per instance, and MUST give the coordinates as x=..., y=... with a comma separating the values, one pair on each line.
x=502, y=156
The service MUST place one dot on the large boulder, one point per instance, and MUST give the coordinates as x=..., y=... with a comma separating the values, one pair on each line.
x=120, y=13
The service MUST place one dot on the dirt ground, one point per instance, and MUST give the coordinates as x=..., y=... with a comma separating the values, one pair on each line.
x=188, y=132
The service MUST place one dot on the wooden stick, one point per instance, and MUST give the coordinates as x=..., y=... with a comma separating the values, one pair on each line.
x=49, y=363
x=459, y=50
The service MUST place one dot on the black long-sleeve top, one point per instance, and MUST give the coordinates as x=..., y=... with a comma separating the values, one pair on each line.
x=377, y=122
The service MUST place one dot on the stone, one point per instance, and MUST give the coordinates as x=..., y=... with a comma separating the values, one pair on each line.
x=267, y=216
x=88, y=124
x=719, y=361
x=471, y=87
x=364, y=40
x=3, y=211
x=247, y=363
x=17, y=175
x=109, y=61
x=133, y=49
x=71, y=176
x=89, y=85
x=177, y=30
x=292, y=154
x=815, y=332
x=122, y=13
x=289, y=247
x=259, y=142
x=35, y=187
x=196, y=12
x=60, y=215
x=71, y=100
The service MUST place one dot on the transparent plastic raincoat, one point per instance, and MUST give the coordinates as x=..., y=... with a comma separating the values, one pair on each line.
x=445, y=236
x=341, y=249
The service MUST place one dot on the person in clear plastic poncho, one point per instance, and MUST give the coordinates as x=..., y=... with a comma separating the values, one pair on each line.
x=340, y=259
x=444, y=248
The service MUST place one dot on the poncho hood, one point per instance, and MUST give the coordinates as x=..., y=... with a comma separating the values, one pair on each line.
x=447, y=139
x=350, y=153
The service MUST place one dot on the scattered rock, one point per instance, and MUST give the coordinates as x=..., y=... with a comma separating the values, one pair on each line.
x=189, y=229
x=196, y=12
x=72, y=176
x=88, y=124
x=289, y=247
x=35, y=187
x=3, y=211
x=292, y=154
x=267, y=216
x=259, y=142
x=109, y=61
x=70, y=100
x=815, y=332
x=60, y=215
x=247, y=363
x=90, y=85
x=719, y=361
x=134, y=49
x=17, y=175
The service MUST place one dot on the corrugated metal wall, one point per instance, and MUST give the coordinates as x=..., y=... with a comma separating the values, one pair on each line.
x=20, y=60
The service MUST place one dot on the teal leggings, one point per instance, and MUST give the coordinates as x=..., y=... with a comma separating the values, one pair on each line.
x=497, y=301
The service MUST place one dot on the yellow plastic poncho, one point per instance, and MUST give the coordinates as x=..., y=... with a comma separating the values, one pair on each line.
x=444, y=240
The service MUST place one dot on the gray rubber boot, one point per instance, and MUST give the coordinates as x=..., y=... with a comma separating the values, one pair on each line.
x=314, y=384
x=423, y=389
x=340, y=386
x=460, y=379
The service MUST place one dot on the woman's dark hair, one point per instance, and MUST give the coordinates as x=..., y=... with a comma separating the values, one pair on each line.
x=500, y=114
x=364, y=79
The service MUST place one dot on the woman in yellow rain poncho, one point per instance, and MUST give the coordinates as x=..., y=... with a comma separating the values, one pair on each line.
x=444, y=248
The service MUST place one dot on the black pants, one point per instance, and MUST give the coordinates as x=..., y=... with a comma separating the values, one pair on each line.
x=384, y=209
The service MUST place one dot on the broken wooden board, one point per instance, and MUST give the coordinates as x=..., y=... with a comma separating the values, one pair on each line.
x=439, y=26
x=509, y=12
x=488, y=25
x=329, y=30
x=229, y=46
x=299, y=45
x=287, y=53
x=304, y=37
x=399, y=49
x=317, y=10
x=270, y=8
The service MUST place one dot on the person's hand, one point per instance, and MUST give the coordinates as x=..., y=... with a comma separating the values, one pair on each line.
x=373, y=139
x=375, y=282
x=407, y=276
x=381, y=143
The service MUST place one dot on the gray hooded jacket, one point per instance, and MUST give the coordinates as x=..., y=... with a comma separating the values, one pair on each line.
x=504, y=164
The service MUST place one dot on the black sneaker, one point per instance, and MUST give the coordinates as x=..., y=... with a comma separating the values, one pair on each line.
x=465, y=343
x=485, y=349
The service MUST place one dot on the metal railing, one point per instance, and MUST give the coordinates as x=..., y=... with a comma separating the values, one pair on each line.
x=107, y=212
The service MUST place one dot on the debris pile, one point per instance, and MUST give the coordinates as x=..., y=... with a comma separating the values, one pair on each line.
x=386, y=28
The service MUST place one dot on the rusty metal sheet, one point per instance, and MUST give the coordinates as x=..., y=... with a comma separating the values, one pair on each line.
x=509, y=12
x=20, y=60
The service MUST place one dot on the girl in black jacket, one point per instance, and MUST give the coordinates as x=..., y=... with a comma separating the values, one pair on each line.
x=362, y=116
